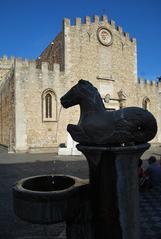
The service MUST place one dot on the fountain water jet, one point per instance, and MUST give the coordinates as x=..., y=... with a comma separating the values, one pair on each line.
x=57, y=127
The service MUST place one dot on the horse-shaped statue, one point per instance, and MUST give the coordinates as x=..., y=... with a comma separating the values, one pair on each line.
x=97, y=126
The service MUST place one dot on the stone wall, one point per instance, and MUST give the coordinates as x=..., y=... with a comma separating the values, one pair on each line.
x=5, y=66
x=110, y=68
x=32, y=133
x=7, y=110
x=150, y=90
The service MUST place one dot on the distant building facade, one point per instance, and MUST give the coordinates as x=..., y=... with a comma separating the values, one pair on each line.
x=31, y=116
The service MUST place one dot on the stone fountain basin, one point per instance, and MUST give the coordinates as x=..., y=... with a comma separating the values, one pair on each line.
x=38, y=200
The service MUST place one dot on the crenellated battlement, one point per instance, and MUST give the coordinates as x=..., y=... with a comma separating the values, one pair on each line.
x=47, y=67
x=102, y=21
x=6, y=62
x=44, y=67
x=144, y=82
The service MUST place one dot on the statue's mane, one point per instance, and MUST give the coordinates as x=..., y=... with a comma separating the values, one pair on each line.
x=87, y=86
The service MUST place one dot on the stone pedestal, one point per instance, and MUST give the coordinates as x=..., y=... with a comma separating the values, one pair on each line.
x=114, y=190
x=81, y=225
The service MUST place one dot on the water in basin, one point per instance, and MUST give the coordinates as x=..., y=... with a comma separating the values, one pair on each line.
x=45, y=183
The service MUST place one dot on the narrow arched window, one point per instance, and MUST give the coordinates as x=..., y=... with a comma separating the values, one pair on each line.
x=49, y=106
x=146, y=103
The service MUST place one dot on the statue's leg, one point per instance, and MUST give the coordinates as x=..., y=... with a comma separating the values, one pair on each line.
x=77, y=133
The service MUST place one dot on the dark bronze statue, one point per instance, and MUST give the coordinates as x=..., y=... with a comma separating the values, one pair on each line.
x=131, y=125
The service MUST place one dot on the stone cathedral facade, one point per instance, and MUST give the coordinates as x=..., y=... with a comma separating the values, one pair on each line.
x=31, y=117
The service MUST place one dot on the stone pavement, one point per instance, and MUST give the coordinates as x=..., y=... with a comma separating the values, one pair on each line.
x=150, y=213
x=16, y=166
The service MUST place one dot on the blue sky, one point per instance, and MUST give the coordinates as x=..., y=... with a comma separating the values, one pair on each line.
x=27, y=26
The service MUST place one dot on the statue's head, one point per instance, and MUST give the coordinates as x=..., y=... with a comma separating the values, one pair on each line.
x=82, y=90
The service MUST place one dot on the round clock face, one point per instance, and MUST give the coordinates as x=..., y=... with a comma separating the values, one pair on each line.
x=104, y=36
